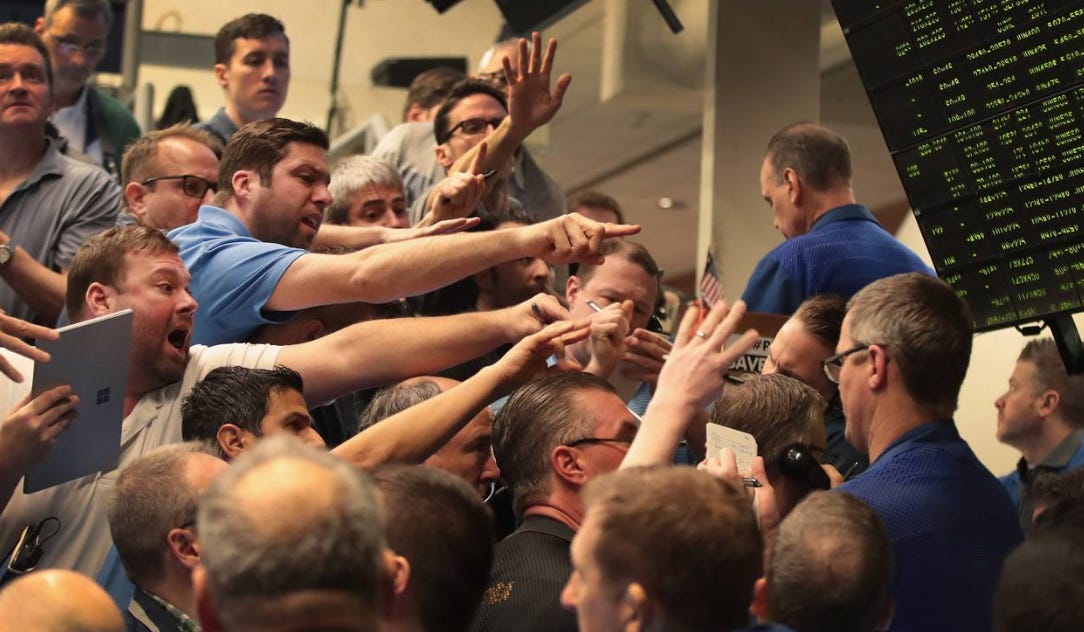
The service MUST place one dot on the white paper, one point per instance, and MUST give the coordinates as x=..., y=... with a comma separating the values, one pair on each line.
x=742, y=443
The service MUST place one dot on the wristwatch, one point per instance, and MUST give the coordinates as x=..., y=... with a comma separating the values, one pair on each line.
x=7, y=253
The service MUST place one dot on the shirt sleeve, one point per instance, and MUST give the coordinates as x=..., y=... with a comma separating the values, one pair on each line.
x=233, y=281
x=96, y=200
x=771, y=289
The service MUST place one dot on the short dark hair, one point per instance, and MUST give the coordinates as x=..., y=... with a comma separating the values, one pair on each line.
x=248, y=26
x=1040, y=587
x=431, y=87
x=597, y=199
x=822, y=316
x=460, y=91
x=700, y=565
x=260, y=145
x=23, y=35
x=536, y=419
x=927, y=330
x=819, y=155
x=101, y=259
x=1050, y=374
x=1061, y=499
x=445, y=531
x=395, y=399
x=152, y=497
x=831, y=566
x=138, y=162
x=234, y=395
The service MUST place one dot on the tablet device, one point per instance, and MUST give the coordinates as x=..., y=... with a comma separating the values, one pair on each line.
x=91, y=356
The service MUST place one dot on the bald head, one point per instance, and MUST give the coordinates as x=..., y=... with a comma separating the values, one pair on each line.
x=272, y=553
x=57, y=601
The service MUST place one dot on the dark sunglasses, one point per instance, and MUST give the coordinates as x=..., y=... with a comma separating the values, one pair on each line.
x=192, y=186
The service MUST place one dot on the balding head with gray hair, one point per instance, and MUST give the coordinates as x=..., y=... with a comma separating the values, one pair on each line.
x=304, y=549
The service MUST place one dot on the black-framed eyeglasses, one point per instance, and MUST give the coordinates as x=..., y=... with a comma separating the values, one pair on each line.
x=68, y=44
x=192, y=186
x=597, y=440
x=474, y=126
x=834, y=365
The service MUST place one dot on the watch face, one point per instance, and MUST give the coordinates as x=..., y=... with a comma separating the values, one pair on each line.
x=5, y=254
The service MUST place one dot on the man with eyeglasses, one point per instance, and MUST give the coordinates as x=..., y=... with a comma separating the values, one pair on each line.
x=550, y=438
x=92, y=122
x=49, y=203
x=410, y=147
x=902, y=355
x=168, y=174
x=152, y=519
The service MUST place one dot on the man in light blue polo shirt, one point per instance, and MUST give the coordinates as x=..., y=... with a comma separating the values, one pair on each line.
x=247, y=253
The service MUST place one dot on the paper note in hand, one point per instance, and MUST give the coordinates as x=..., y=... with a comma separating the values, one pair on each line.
x=742, y=443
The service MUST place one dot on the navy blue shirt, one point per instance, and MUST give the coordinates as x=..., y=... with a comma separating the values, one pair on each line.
x=844, y=251
x=951, y=525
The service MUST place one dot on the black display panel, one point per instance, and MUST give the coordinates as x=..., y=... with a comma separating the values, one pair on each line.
x=981, y=103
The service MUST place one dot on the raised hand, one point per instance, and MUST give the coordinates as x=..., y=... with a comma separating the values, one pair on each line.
x=527, y=360
x=531, y=104
x=459, y=194
x=645, y=354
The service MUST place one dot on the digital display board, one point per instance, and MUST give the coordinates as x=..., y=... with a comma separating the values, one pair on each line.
x=981, y=103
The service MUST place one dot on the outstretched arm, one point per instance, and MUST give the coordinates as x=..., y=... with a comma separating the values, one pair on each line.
x=414, y=434
x=388, y=272
x=378, y=352
x=692, y=377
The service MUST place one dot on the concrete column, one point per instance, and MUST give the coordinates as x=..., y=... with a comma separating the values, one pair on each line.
x=762, y=74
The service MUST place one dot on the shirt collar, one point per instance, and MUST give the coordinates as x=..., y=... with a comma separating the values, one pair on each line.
x=1058, y=457
x=839, y=213
x=222, y=124
x=936, y=431
x=184, y=622
x=51, y=164
x=219, y=215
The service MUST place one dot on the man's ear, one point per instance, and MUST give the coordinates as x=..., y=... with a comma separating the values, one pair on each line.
x=444, y=155
x=134, y=194
x=241, y=182
x=184, y=547
x=759, y=607
x=1048, y=403
x=232, y=439
x=39, y=26
x=416, y=113
x=100, y=299
x=395, y=578
x=205, y=609
x=878, y=368
x=222, y=75
x=637, y=611
x=565, y=462
x=794, y=185
x=572, y=288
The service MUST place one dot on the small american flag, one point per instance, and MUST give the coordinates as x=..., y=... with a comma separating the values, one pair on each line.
x=711, y=288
